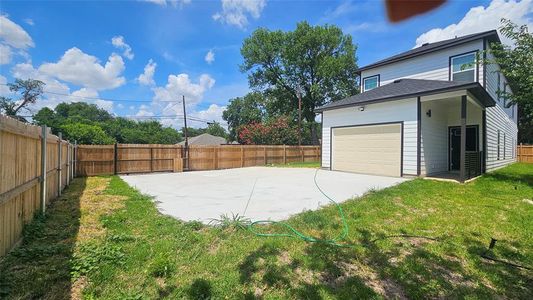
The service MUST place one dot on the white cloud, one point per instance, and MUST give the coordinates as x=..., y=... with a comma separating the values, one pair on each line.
x=4, y=90
x=147, y=78
x=210, y=57
x=235, y=12
x=13, y=35
x=212, y=113
x=119, y=43
x=5, y=54
x=480, y=19
x=173, y=3
x=144, y=111
x=79, y=68
x=57, y=91
x=181, y=84
x=29, y=21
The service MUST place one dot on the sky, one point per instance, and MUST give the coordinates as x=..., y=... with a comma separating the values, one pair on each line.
x=137, y=58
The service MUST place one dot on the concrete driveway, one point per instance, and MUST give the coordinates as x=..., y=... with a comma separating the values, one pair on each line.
x=259, y=193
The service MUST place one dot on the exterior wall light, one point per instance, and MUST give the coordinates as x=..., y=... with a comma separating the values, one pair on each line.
x=428, y=113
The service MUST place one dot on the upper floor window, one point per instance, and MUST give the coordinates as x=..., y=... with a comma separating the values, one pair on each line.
x=498, y=90
x=463, y=67
x=370, y=83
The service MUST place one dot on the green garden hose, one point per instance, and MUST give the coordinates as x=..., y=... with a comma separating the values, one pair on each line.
x=293, y=233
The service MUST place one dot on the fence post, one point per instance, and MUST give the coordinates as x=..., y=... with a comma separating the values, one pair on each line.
x=284, y=154
x=115, y=158
x=75, y=157
x=151, y=159
x=242, y=156
x=302, y=153
x=43, y=168
x=215, y=157
x=265, y=154
x=59, y=160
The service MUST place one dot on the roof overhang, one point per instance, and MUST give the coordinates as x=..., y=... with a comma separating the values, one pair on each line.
x=491, y=36
x=474, y=88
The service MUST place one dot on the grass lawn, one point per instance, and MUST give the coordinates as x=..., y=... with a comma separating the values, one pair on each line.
x=102, y=239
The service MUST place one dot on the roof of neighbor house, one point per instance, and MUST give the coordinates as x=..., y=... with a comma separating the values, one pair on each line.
x=492, y=35
x=205, y=139
x=407, y=88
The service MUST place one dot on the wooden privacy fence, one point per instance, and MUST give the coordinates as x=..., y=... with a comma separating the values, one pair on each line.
x=525, y=153
x=132, y=158
x=35, y=166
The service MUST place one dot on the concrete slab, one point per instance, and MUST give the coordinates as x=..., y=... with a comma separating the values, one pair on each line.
x=277, y=193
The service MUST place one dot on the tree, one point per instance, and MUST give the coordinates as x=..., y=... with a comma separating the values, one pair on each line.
x=67, y=116
x=30, y=91
x=317, y=61
x=243, y=110
x=86, y=134
x=516, y=63
x=216, y=130
x=276, y=131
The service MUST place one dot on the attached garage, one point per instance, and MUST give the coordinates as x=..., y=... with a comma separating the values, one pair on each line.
x=368, y=149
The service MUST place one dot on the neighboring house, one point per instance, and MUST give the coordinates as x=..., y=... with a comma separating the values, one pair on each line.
x=409, y=118
x=205, y=139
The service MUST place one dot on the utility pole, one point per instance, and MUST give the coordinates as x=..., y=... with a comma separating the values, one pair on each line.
x=186, y=135
x=299, y=118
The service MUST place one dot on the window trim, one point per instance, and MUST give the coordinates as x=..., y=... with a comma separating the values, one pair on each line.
x=498, y=89
x=476, y=68
x=499, y=144
x=368, y=77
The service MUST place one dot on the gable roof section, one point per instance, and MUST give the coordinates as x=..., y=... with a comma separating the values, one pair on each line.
x=492, y=35
x=408, y=88
x=205, y=139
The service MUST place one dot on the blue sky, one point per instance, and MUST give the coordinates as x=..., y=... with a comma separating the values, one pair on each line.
x=100, y=48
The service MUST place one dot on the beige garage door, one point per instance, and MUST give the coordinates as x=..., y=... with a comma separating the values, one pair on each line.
x=373, y=149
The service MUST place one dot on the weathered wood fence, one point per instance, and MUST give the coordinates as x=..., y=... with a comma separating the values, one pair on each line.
x=131, y=158
x=35, y=166
x=525, y=153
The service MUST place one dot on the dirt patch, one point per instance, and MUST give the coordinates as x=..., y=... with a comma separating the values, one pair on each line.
x=387, y=288
x=77, y=288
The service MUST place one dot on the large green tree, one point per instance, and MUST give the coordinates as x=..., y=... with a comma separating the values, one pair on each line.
x=242, y=111
x=29, y=89
x=87, y=123
x=516, y=63
x=319, y=62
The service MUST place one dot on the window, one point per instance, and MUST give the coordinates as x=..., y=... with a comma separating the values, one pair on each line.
x=370, y=83
x=504, y=95
x=504, y=149
x=499, y=144
x=463, y=67
x=498, y=87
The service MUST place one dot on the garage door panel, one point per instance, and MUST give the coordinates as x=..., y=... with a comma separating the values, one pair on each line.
x=372, y=149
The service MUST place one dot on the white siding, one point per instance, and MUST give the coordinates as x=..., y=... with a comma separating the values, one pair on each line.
x=497, y=120
x=431, y=66
x=394, y=111
x=492, y=87
x=434, y=138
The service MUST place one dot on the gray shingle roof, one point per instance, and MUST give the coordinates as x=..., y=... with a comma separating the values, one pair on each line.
x=406, y=88
x=205, y=139
x=491, y=34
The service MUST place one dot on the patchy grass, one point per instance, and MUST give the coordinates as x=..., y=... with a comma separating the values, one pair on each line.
x=420, y=239
x=307, y=164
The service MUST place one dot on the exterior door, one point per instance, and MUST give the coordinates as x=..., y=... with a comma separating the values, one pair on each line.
x=472, y=144
x=368, y=149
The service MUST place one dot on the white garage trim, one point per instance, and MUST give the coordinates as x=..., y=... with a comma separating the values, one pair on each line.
x=401, y=123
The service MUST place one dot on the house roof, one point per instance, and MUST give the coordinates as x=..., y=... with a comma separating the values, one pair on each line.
x=432, y=47
x=407, y=88
x=205, y=139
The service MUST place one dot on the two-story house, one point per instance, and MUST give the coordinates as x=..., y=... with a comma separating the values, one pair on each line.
x=413, y=110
